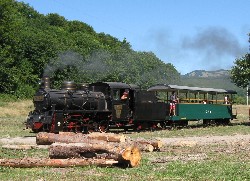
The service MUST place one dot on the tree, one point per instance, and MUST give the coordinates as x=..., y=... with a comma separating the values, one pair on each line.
x=10, y=28
x=32, y=43
x=56, y=20
x=240, y=73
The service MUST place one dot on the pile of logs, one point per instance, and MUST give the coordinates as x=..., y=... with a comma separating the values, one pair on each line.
x=75, y=149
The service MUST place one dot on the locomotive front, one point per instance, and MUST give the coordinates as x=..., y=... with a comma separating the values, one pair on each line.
x=73, y=104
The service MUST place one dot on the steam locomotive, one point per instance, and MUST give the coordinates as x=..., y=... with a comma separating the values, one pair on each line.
x=94, y=107
x=100, y=107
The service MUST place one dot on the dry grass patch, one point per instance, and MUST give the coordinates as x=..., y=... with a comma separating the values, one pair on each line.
x=242, y=112
x=19, y=108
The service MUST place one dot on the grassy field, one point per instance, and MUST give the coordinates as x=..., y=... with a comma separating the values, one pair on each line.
x=229, y=161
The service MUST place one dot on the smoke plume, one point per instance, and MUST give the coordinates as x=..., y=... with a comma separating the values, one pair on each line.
x=217, y=41
x=216, y=48
x=91, y=65
x=210, y=48
x=64, y=59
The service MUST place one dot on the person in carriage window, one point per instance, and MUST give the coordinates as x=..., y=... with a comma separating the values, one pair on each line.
x=173, y=101
x=226, y=99
x=124, y=95
x=173, y=97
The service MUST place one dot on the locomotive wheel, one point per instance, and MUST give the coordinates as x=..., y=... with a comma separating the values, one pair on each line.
x=145, y=125
x=222, y=122
x=169, y=125
x=104, y=126
x=93, y=127
x=184, y=123
x=163, y=125
x=206, y=122
x=226, y=121
x=153, y=127
x=46, y=128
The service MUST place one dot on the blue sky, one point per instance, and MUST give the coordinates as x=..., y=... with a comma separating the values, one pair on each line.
x=190, y=34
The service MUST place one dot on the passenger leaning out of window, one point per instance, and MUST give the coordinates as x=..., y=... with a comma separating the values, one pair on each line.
x=226, y=99
x=173, y=101
x=124, y=95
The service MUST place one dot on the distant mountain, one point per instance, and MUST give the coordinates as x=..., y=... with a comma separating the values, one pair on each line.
x=203, y=73
x=213, y=79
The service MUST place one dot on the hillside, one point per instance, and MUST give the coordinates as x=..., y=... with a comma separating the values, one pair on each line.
x=215, y=79
x=203, y=73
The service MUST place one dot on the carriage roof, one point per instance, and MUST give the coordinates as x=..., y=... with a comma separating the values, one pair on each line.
x=117, y=85
x=170, y=87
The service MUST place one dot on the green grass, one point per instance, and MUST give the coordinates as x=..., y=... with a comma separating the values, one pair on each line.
x=232, y=129
x=206, y=162
x=222, y=169
x=13, y=126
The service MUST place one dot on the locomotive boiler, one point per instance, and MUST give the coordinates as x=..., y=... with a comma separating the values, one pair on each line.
x=69, y=108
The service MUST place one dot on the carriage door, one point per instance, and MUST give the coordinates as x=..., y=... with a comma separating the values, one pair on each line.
x=121, y=110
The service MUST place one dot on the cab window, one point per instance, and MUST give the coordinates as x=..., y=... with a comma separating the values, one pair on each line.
x=116, y=94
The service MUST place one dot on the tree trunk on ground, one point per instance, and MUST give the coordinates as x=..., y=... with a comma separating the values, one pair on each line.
x=43, y=138
x=124, y=154
x=144, y=146
x=25, y=147
x=41, y=162
x=156, y=144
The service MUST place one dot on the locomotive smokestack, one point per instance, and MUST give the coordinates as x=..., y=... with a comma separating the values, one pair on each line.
x=46, y=82
x=69, y=85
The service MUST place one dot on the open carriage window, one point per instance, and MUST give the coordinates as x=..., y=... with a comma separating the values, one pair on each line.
x=116, y=94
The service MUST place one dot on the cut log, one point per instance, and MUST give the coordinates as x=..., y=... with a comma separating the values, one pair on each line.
x=25, y=147
x=38, y=162
x=18, y=147
x=124, y=154
x=109, y=137
x=43, y=138
x=144, y=146
x=156, y=144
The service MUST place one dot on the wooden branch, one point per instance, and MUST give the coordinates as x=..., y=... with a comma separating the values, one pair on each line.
x=43, y=138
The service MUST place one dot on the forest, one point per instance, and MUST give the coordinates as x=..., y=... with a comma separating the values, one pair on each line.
x=33, y=45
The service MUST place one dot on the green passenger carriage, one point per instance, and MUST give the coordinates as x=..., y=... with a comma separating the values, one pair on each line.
x=196, y=103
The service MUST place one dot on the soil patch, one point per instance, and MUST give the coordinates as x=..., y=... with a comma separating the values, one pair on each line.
x=178, y=141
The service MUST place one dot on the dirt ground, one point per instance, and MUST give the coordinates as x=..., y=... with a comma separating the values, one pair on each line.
x=185, y=149
x=183, y=141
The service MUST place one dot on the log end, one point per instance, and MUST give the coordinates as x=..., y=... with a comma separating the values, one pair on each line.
x=131, y=156
x=42, y=138
x=157, y=145
x=150, y=148
x=123, y=138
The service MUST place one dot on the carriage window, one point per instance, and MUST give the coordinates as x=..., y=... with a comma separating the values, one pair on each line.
x=116, y=94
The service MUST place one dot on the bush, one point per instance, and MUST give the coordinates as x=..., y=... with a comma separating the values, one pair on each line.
x=7, y=98
x=25, y=91
x=240, y=100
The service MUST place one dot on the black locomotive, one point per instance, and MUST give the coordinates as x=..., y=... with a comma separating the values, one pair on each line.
x=95, y=107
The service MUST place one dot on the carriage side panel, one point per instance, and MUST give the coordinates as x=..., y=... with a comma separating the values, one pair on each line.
x=204, y=111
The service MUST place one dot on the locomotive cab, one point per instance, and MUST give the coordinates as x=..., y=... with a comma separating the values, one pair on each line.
x=119, y=97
